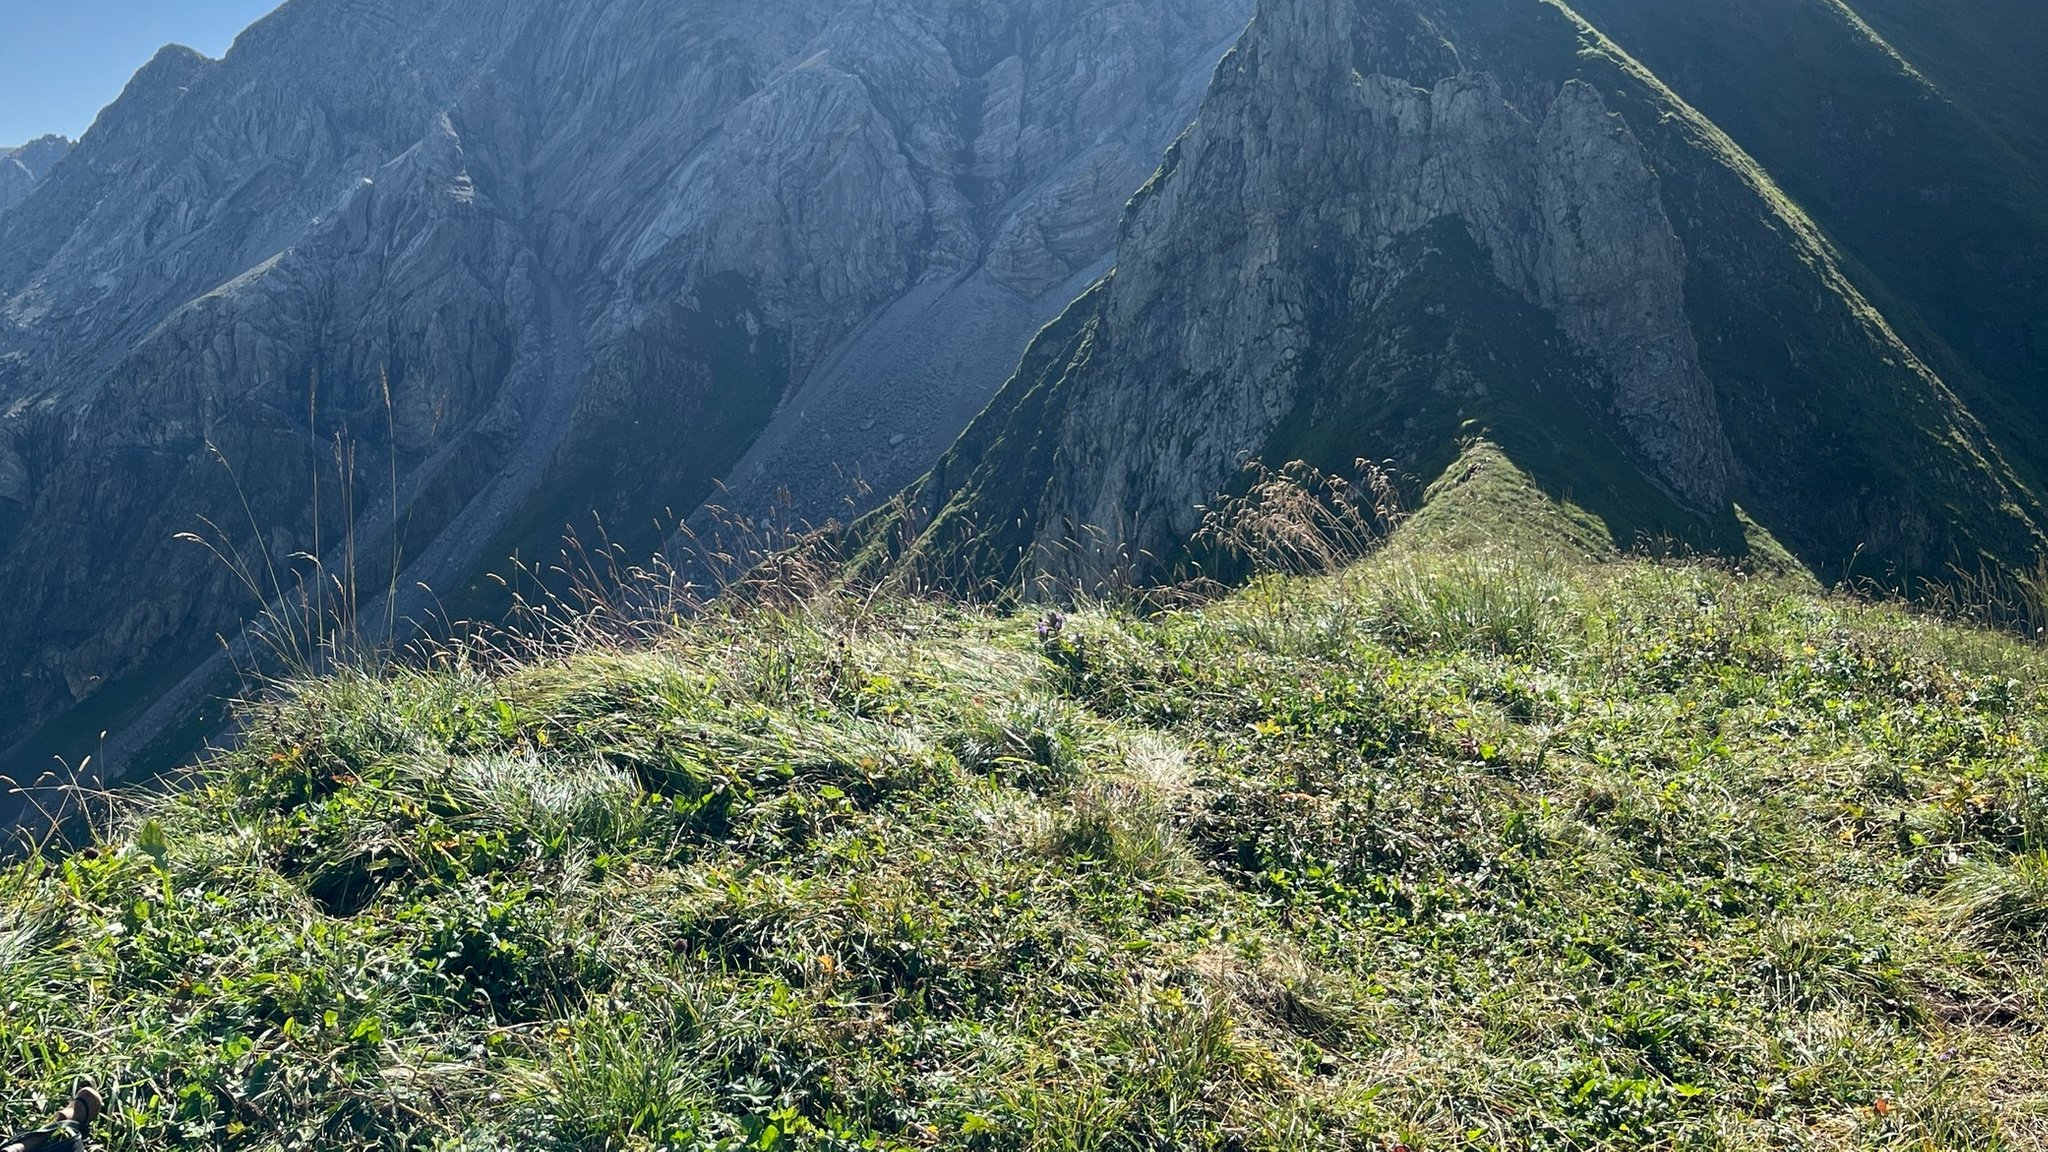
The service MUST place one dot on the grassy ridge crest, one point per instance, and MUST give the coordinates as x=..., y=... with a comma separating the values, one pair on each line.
x=1523, y=845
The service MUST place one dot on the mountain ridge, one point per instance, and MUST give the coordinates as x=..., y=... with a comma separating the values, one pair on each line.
x=1385, y=331
x=1663, y=260
x=546, y=236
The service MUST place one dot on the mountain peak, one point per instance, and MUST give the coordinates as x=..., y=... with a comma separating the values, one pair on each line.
x=173, y=67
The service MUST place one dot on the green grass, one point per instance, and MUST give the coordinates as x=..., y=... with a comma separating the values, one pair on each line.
x=1456, y=849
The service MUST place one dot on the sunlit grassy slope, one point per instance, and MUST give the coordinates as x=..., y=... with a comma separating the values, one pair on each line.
x=1482, y=843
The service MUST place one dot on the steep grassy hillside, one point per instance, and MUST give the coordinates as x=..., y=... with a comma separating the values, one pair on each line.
x=1485, y=848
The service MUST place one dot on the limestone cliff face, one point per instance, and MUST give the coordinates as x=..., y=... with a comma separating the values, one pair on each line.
x=1398, y=221
x=21, y=169
x=586, y=249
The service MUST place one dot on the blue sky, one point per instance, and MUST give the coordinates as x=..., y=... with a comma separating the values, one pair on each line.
x=61, y=61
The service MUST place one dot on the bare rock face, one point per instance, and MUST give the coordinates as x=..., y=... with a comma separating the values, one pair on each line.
x=530, y=260
x=1562, y=200
x=1398, y=222
x=21, y=169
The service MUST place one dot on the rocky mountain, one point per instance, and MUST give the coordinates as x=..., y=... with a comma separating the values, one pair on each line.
x=1916, y=138
x=21, y=169
x=409, y=285
x=1400, y=225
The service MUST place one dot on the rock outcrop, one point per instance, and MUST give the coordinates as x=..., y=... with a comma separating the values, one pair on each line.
x=1399, y=223
x=510, y=263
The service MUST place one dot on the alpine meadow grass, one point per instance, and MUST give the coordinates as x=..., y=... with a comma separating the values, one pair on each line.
x=1443, y=848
